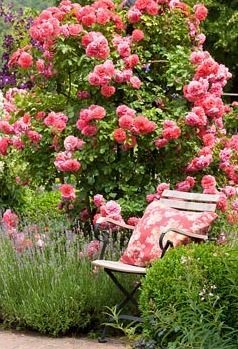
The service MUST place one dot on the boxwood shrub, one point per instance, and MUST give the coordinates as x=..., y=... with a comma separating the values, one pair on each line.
x=189, y=298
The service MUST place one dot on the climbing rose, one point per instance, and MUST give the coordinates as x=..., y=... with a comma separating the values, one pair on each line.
x=161, y=187
x=4, y=142
x=135, y=82
x=112, y=208
x=92, y=248
x=208, y=182
x=67, y=192
x=235, y=205
x=126, y=122
x=137, y=35
x=201, y=12
x=98, y=200
x=34, y=136
x=72, y=143
x=133, y=221
x=10, y=219
x=229, y=191
x=107, y=91
x=25, y=60
x=119, y=135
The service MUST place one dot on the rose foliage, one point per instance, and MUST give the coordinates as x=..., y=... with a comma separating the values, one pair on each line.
x=123, y=99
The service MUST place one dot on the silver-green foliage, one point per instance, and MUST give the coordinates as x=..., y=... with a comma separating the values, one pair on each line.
x=52, y=290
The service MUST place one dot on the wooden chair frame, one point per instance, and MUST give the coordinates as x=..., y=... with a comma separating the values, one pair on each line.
x=183, y=201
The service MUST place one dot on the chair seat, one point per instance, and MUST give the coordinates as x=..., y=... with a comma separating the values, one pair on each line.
x=119, y=266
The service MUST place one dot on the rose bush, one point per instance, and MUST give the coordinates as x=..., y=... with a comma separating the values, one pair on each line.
x=122, y=99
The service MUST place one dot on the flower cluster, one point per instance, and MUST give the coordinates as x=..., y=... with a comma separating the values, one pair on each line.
x=87, y=117
x=141, y=7
x=95, y=63
x=110, y=209
x=170, y=132
x=102, y=76
x=56, y=121
x=131, y=126
x=64, y=162
x=228, y=159
x=205, y=91
x=20, y=239
x=15, y=134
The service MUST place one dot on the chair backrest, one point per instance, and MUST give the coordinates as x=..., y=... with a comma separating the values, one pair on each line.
x=192, y=202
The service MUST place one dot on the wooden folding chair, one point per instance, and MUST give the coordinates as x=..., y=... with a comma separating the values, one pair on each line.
x=183, y=201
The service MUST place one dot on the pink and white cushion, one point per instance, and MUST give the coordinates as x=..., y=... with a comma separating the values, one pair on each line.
x=143, y=247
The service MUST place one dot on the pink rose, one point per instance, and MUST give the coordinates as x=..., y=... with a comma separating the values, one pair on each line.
x=119, y=135
x=200, y=11
x=75, y=29
x=112, y=208
x=67, y=192
x=229, y=191
x=10, y=219
x=98, y=200
x=208, y=181
x=161, y=187
x=235, y=205
x=137, y=35
x=25, y=60
x=135, y=82
x=72, y=143
x=107, y=91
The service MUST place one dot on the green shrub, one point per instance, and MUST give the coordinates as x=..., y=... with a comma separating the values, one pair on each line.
x=38, y=205
x=52, y=290
x=190, y=298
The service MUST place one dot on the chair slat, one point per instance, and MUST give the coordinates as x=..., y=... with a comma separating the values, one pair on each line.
x=188, y=205
x=119, y=266
x=211, y=198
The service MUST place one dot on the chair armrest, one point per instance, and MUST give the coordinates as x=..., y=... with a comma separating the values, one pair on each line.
x=181, y=232
x=113, y=221
x=104, y=237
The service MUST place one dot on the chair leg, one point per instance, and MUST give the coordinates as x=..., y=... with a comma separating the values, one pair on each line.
x=102, y=338
x=128, y=295
x=128, y=298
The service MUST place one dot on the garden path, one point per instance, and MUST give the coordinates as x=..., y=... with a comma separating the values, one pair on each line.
x=19, y=340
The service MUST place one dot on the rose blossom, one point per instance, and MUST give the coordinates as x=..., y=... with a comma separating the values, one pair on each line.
x=25, y=60
x=4, y=143
x=126, y=122
x=124, y=110
x=67, y=192
x=112, y=208
x=222, y=203
x=137, y=35
x=133, y=221
x=93, y=248
x=200, y=12
x=229, y=191
x=119, y=135
x=135, y=82
x=10, y=219
x=235, y=205
x=161, y=187
x=208, y=181
x=161, y=142
x=72, y=143
x=107, y=91
x=98, y=200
